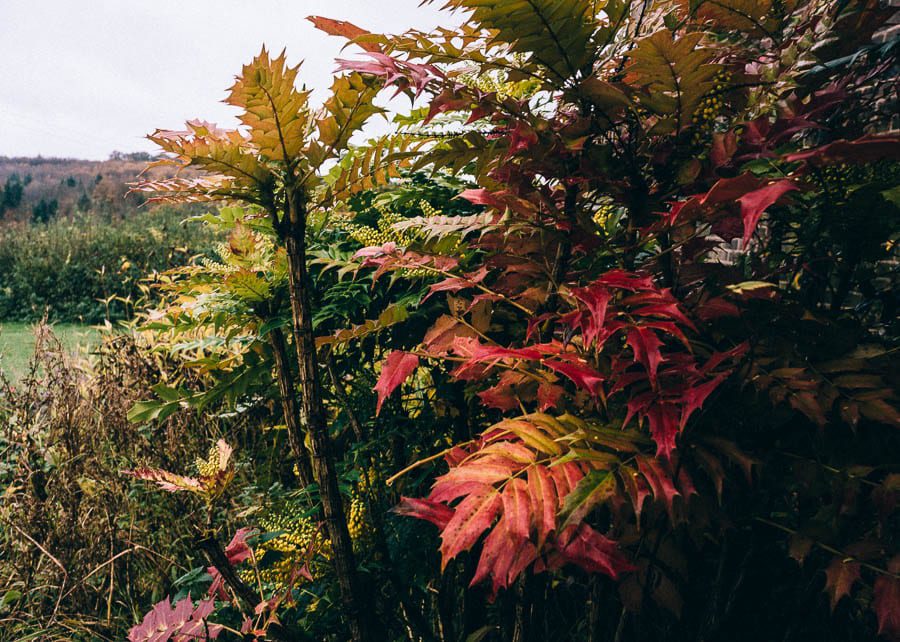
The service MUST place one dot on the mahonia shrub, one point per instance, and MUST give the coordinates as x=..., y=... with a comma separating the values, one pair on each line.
x=643, y=359
x=683, y=210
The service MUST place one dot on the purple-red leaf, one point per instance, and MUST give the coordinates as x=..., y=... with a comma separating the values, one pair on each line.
x=887, y=601
x=584, y=377
x=646, y=344
x=595, y=553
x=431, y=511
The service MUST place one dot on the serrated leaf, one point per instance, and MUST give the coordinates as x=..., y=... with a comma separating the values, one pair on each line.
x=593, y=489
x=275, y=111
x=473, y=516
x=394, y=371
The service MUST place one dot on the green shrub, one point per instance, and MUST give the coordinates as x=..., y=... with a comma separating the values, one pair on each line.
x=89, y=268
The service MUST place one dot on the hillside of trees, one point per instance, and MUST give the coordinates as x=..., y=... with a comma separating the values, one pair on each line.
x=40, y=189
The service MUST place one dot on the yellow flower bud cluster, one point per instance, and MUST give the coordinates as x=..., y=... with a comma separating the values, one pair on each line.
x=303, y=541
x=605, y=209
x=359, y=522
x=428, y=210
x=208, y=467
x=383, y=233
x=710, y=107
x=216, y=267
x=300, y=537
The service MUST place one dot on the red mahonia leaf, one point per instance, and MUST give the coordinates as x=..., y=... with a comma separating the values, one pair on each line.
x=636, y=488
x=595, y=553
x=440, y=337
x=862, y=150
x=457, y=283
x=659, y=303
x=596, y=300
x=565, y=477
x=504, y=555
x=344, y=29
x=548, y=396
x=389, y=257
x=544, y=502
x=754, y=203
x=752, y=193
x=840, y=576
x=660, y=483
x=521, y=137
x=500, y=397
x=695, y=396
x=435, y=512
x=166, y=480
x=645, y=345
x=717, y=308
x=626, y=281
x=236, y=552
x=450, y=99
x=663, y=420
x=500, y=200
x=584, y=377
x=397, y=72
x=395, y=370
x=473, y=516
x=482, y=353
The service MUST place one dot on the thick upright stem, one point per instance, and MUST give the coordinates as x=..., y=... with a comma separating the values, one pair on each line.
x=289, y=406
x=313, y=412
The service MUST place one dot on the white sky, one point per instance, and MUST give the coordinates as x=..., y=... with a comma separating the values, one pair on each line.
x=81, y=79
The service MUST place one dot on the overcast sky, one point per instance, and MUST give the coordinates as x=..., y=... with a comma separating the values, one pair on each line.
x=81, y=79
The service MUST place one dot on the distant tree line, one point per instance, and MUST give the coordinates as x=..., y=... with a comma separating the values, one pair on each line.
x=11, y=196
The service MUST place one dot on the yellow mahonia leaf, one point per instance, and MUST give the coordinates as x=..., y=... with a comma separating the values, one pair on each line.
x=346, y=110
x=673, y=76
x=217, y=151
x=275, y=111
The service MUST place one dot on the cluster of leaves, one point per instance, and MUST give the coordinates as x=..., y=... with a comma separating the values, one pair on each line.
x=662, y=331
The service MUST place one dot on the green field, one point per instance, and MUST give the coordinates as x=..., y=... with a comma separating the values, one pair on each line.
x=17, y=343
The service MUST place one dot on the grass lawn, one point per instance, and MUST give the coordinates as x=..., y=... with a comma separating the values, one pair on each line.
x=17, y=343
